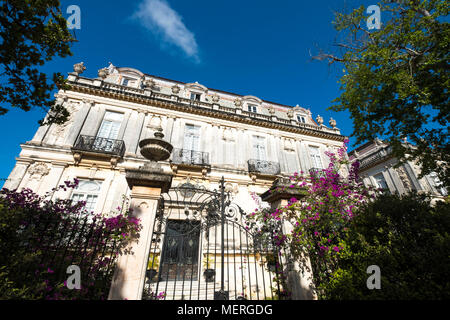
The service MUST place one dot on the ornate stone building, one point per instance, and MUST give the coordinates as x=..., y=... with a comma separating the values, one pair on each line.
x=248, y=141
x=377, y=169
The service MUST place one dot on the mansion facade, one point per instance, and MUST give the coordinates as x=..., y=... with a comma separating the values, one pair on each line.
x=378, y=169
x=214, y=133
x=221, y=140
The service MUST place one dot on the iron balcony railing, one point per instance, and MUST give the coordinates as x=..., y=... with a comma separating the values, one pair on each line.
x=184, y=156
x=374, y=157
x=264, y=167
x=317, y=172
x=100, y=145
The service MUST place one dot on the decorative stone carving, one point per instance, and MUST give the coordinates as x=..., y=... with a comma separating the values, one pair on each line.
x=88, y=102
x=149, y=83
x=79, y=68
x=332, y=123
x=228, y=135
x=289, y=145
x=103, y=73
x=238, y=102
x=176, y=89
x=271, y=110
x=155, y=122
x=404, y=178
x=232, y=188
x=215, y=98
x=61, y=98
x=62, y=128
x=290, y=114
x=38, y=170
x=319, y=120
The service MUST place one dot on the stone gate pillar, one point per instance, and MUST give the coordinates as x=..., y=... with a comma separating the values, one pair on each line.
x=298, y=281
x=146, y=184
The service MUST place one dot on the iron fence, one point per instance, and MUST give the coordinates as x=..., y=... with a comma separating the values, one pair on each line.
x=45, y=245
x=202, y=249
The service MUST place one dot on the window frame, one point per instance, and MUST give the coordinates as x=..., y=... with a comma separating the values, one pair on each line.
x=86, y=193
x=315, y=156
x=302, y=117
x=253, y=108
x=196, y=95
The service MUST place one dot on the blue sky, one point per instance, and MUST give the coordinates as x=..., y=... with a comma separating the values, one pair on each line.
x=259, y=48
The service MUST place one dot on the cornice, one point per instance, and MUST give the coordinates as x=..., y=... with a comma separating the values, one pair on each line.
x=198, y=110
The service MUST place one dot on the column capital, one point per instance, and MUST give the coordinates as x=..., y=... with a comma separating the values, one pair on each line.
x=280, y=190
x=149, y=176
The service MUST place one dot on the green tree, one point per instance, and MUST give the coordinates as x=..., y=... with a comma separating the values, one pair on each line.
x=396, y=79
x=32, y=32
x=408, y=239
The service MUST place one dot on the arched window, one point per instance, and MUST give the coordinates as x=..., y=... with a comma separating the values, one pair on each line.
x=88, y=191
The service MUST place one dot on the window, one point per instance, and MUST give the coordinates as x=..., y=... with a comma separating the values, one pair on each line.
x=316, y=161
x=252, y=108
x=301, y=118
x=381, y=182
x=88, y=191
x=259, y=148
x=109, y=130
x=195, y=96
x=110, y=125
x=191, y=137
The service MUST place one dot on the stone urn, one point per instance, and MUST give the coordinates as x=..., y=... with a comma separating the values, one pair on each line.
x=103, y=73
x=79, y=68
x=319, y=120
x=332, y=123
x=156, y=149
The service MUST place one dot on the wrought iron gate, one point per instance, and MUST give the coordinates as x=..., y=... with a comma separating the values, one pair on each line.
x=202, y=249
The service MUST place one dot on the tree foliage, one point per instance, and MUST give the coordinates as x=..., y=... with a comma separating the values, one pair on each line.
x=408, y=239
x=32, y=32
x=396, y=79
x=40, y=238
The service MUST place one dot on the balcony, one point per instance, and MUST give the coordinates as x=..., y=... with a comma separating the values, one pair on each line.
x=97, y=146
x=263, y=167
x=183, y=156
x=191, y=160
x=375, y=157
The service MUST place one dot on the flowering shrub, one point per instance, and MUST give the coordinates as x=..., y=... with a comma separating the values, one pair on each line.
x=41, y=237
x=319, y=219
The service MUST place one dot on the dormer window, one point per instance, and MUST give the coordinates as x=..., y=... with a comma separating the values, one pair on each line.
x=252, y=108
x=301, y=118
x=195, y=96
x=127, y=82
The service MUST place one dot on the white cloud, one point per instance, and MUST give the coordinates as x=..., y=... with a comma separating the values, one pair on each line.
x=158, y=17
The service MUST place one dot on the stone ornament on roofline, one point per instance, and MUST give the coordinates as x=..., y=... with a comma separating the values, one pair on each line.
x=176, y=89
x=79, y=68
x=103, y=73
x=215, y=98
x=319, y=120
x=332, y=123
